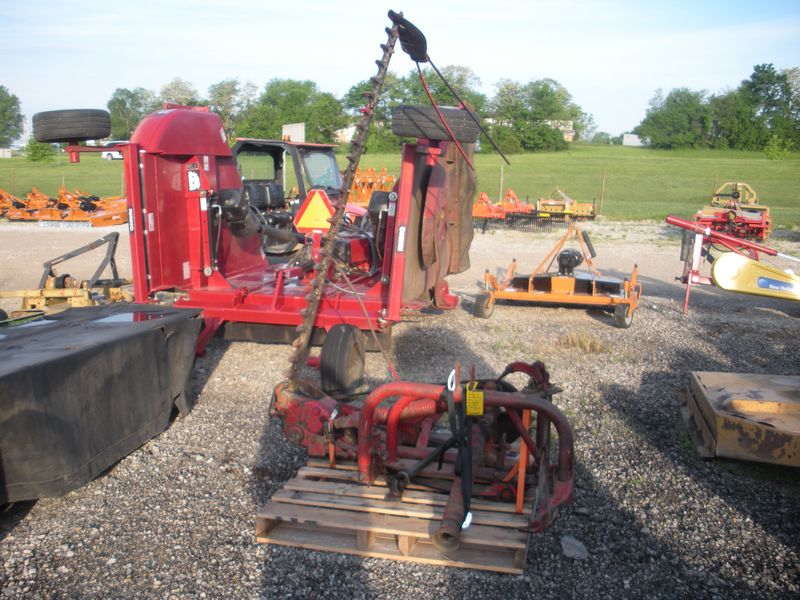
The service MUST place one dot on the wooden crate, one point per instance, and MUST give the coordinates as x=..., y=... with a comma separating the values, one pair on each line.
x=327, y=509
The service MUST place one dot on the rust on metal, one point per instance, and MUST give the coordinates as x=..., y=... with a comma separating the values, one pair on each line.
x=744, y=416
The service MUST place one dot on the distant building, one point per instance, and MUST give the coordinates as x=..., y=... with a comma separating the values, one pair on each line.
x=631, y=139
x=565, y=127
x=344, y=136
x=295, y=132
x=5, y=152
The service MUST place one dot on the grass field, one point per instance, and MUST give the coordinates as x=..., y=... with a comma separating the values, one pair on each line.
x=640, y=183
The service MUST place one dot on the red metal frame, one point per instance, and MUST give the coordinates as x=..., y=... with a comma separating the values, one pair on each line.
x=321, y=425
x=174, y=163
x=705, y=236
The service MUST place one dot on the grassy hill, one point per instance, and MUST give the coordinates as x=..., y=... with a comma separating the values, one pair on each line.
x=640, y=183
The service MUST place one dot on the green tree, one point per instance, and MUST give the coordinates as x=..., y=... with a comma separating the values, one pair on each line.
x=462, y=79
x=10, y=118
x=601, y=137
x=230, y=99
x=506, y=138
x=541, y=137
x=681, y=119
x=180, y=92
x=771, y=94
x=223, y=99
x=37, y=151
x=292, y=101
x=734, y=122
x=127, y=108
x=533, y=111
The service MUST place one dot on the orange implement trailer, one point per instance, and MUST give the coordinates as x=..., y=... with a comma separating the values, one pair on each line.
x=74, y=206
x=509, y=213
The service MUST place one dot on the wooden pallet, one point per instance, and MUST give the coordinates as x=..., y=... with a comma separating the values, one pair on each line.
x=327, y=509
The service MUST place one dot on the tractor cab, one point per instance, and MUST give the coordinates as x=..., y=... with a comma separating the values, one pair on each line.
x=277, y=177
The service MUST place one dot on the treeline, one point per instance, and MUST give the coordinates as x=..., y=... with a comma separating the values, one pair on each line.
x=521, y=117
x=763, y=113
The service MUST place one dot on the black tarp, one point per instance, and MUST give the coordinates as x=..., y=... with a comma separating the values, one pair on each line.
x=81, y=389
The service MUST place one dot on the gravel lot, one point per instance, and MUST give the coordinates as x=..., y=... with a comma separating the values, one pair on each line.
x=176, y=518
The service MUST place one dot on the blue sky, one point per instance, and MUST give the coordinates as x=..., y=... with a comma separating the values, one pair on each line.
x=611, y=55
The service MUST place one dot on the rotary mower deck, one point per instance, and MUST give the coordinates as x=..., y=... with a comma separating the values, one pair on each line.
x=565, y=285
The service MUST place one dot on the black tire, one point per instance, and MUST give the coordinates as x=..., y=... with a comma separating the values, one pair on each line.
x=76, y=125
x=484, y=306
x=622, y=318
x=423, y=122
x=342, y=361
x=3, y=315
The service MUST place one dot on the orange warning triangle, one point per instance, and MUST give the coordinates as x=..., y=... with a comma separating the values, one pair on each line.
x=314, y=213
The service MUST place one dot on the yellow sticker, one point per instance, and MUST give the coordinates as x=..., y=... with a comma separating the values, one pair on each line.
x=474, y=402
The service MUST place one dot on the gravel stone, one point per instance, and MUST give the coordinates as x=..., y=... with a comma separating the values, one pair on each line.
x=573, y=548
x=176, y=517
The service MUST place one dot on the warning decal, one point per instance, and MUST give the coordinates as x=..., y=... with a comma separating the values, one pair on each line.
x=314, y=213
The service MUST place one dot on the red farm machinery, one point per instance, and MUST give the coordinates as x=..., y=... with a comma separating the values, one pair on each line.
x=735, y=263
x=202, y=227
x=736, y=211
x=260, y=239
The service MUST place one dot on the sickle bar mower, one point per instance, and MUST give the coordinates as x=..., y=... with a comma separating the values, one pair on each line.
x=488, y=458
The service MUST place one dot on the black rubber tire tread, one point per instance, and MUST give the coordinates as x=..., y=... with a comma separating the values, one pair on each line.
x=341, y=365
x=74, y=125
x=621, y=317
x=483, y=308
x=423, y=122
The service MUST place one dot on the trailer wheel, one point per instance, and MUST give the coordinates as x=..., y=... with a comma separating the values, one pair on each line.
x=3, y=315
x=484, y=305
x=424, y=122
x=342, y=361
x=622, y=318
x=77, y=125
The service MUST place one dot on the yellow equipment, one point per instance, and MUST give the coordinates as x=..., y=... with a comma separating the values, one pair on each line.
x=57, y=292
x=744, y=416
x=737, y=273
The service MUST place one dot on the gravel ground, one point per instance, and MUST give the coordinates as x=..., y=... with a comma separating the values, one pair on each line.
x=175, y=519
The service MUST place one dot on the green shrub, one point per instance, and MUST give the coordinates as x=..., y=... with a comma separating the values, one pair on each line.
x=36, y=151
x=777, y=148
